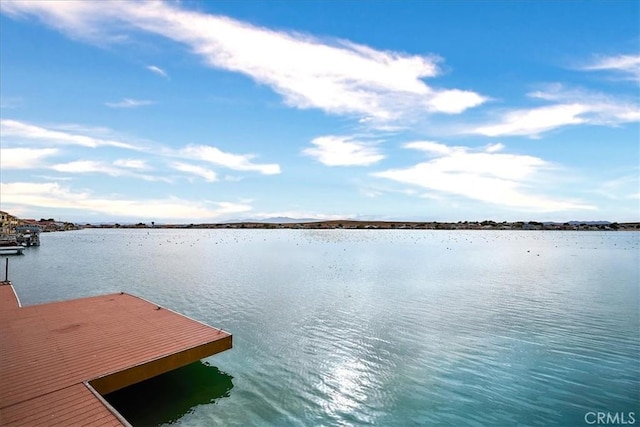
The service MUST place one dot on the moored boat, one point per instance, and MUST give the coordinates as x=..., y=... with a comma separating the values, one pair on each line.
x=28, y=235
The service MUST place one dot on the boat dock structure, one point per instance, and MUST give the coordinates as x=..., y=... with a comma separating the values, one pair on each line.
x=58, y=360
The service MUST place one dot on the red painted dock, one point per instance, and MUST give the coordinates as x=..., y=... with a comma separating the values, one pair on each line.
x=57, y=359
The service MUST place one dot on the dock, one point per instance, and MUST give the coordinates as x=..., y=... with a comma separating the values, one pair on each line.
x=12, y=250
x=58, y=360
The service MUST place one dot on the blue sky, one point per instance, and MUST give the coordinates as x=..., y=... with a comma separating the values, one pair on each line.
x=418, y=110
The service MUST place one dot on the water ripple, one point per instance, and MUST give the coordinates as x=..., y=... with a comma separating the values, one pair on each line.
x=390, y=328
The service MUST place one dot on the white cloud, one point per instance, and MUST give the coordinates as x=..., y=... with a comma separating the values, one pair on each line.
x=569, y=108
x=24, y=158
x=454, y=101
x=88, y=166
x=241, y=162
x=502, y=179
x=53, y=195
x=494, y=148
x=343, y=151
x=535, y=121
x=15, y=132
x=627, y=65
x=600, y=109
x=132, y=164
x=129, y=103
x=337, y=76
x=157, y=70
x=116, y=169
x=17, y=129
x=207, y=174
x=432, y=147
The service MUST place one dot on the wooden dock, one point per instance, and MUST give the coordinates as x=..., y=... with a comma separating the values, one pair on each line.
x=58, y=359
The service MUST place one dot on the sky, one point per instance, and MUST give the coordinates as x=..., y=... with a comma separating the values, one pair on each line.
x=206, y=112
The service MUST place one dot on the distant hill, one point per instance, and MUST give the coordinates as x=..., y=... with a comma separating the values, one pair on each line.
x=590, y=222
x=275, y=220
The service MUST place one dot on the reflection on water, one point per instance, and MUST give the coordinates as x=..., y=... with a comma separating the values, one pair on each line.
x=373, y=327
x=168, y=397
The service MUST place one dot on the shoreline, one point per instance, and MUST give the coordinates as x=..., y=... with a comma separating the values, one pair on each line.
x=393, y=225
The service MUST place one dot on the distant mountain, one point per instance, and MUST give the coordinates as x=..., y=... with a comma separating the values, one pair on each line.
x=590, y=222
x=275, y=220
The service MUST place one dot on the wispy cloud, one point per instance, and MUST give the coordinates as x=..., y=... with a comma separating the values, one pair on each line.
x=132, y=164
x=207, y=174
x=621, y=187
x=343, y=151
x=600, y=109
x=88, y=166
x=337, y=76
x=53, y=195
x=533, y=122
x=22, y=130
x=157, y=70
x=115, y=169
x=626, y=65
x=570, y=107
x=129, y=103
x=240, y=162
x=507, y=180
x=24, y=158
x=14, y=132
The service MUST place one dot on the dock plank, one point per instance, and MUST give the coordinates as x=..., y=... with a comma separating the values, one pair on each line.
x=50, y=351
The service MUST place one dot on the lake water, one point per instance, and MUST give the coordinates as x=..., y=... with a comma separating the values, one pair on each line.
x=372, y=327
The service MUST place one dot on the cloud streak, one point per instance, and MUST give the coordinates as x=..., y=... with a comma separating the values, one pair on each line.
x=21, y=130
x=569, y=108
x=119, y=168
x=532, y=122
x=488, y=176
x=625, y=65
x=129, y=103
x=17, y=132
x=204, y=173
x=53, y=195
x=240, y=162
x=157, y=70
x=88, y=166
x=24, y=158
x=336, y=76
x=137, y=164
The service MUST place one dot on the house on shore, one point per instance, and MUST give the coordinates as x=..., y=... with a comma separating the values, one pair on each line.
x=8, y=222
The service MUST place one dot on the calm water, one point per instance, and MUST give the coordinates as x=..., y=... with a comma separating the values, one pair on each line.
x=372, y=327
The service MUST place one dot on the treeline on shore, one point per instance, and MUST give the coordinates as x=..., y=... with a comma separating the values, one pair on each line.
x=411, y=225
